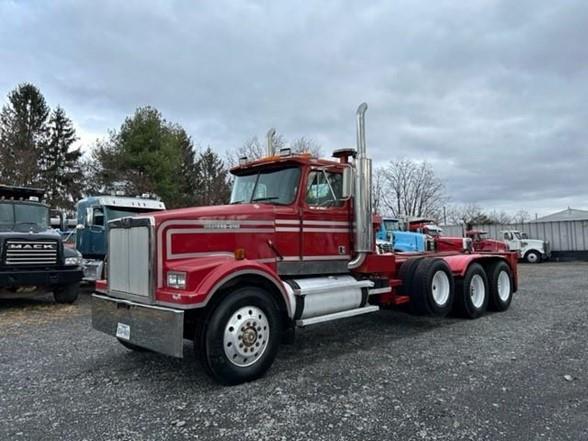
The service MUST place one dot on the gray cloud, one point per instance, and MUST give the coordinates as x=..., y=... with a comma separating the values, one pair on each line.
x=493, y=93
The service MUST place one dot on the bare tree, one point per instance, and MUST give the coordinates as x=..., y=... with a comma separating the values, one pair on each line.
x=522, y=216
x=411, y=189
x=253, y=148
x=306, y=145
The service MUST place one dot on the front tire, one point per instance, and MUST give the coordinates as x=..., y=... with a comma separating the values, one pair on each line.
x=67, y=293
x=472, y=293
x=240, y=339
x=533, y=257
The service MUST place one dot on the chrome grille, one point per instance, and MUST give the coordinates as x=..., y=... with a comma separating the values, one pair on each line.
x=30, y=252
x=128, y=261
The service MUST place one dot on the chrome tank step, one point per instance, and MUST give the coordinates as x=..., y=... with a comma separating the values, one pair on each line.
x=327, y=295
x=337, y=315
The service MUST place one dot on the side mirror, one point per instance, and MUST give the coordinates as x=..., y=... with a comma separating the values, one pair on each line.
x=80, y=227
x=89, y=216
x=347, y=182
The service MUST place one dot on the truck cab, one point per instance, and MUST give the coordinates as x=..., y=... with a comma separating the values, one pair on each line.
x=32, y=255
x=531, y=250
x=93, y=215
x=389, y=235
x=294, y=247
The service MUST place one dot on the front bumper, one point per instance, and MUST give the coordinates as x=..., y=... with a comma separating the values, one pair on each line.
x=93, y=269
x=52, y=277
x=152, y=327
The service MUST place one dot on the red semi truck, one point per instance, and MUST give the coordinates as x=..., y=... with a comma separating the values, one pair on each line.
x=295, y=247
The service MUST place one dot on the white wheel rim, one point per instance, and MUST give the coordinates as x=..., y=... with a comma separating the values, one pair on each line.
x=532, y=257
x=477, y=291
x=246, y=336
x=441, y=288
x=503, y=286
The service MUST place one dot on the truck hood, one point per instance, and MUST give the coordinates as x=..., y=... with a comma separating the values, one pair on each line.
x=219, y=212
x=533, y=242
x=26, y=235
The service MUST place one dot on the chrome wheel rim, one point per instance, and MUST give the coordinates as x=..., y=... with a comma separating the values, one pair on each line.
x=532, y=258
x=246, y=336
x=503, y=286
x=441, y=288
x=477, y=291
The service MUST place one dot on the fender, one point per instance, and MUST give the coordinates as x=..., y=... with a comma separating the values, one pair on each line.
x=459, y=263
x=207, y=275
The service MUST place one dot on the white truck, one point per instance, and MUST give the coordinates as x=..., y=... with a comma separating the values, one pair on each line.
x=531, y=250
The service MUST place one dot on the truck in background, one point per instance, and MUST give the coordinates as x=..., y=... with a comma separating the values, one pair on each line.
x=93, y=215
x=530, y=250
x=390, y=237
x=33, y=257
x=294, y=247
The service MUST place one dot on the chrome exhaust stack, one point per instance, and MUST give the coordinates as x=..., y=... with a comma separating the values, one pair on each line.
x=362, y=204
x=270, y=142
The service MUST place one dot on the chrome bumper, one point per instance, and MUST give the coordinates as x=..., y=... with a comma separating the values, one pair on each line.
x=151, y=327
x=92, y=269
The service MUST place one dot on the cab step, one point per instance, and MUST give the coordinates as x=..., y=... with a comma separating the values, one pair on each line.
x=336, y=316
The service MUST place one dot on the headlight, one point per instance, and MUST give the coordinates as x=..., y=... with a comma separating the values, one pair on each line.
x=73, y=261
x=176, y=280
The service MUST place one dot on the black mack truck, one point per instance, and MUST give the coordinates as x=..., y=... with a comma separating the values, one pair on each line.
x=32, y=255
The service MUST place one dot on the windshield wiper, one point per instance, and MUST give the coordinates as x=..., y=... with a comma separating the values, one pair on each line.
x=267, y=198
x=237, y=202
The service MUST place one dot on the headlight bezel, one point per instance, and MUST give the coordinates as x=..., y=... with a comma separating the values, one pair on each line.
x=176, y=279
x=73, y=261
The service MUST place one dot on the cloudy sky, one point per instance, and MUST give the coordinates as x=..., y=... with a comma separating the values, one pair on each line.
x=493, y=93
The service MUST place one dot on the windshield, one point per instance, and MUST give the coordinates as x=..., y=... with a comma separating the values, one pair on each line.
x=391, y=225
x=12, y=215
x=113, y=213
x=518, y=235
x=271, y=186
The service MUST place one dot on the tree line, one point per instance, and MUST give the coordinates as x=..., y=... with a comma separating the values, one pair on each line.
x=148, y=154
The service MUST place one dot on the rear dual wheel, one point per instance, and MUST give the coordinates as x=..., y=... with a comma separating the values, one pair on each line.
x=479, y=290
x=429, y=282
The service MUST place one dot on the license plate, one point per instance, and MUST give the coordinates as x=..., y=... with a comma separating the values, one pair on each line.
x=123, y=331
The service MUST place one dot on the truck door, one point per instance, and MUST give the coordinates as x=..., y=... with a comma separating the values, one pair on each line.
x=326, y=222
x=94, y=232
x=511, y=240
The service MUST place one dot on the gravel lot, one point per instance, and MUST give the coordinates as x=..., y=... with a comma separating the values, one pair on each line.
x=518, y=375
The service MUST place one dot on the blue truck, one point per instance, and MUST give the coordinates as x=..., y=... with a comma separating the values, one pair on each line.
x=93, y=215
x=390, y=237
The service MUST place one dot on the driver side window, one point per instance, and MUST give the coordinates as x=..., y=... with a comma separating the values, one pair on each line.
x=98, y=217
x=508, y=236
x=324, y=189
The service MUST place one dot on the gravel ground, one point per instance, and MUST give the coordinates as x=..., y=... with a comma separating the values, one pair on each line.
x=518, y=375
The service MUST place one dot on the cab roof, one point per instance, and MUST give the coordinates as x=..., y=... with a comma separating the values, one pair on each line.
x=277, y=160
x=124, y=202
x=21, y=193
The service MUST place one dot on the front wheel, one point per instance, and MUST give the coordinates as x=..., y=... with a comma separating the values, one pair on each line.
x=67, y=293
x=241, y=337
x=533, y=257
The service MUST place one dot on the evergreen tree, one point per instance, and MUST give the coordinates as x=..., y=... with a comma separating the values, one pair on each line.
x=23, y=135
x=189, y=170
x=214, y=188
x=147, y=155
x=61, y=172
